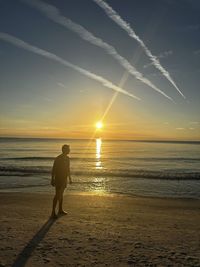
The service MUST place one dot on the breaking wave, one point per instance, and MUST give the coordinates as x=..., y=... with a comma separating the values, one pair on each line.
x=138, y=173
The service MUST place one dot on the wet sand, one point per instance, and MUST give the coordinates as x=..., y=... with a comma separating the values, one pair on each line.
x=99, y=230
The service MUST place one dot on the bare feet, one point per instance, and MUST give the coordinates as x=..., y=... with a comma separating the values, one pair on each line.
x=53, y=216
x=62, y=212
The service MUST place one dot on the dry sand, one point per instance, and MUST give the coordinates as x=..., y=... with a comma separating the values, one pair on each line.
x=99, y=231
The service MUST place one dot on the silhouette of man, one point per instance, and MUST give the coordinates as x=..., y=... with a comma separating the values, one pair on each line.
x=60, y=173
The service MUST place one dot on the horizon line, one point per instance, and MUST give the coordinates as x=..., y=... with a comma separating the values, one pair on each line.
x=106, y=139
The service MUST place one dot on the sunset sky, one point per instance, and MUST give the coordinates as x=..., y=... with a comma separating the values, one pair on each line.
x=94, y=70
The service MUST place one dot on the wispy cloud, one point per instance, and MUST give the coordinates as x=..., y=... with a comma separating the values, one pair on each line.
x=194, y=122
x=192, y=27
x=162, y=55
x=165, y=54
x=158, y=74
x=112, y=14
x=197, y=52
x=53, y=13
x=47, y=99
x=61, y=85
x=20, y=43
x=180, y=128
x=195, y=27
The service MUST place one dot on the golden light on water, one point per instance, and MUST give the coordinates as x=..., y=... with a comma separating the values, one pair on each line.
x=98, y=153
x=99, y=181
x=99, y=125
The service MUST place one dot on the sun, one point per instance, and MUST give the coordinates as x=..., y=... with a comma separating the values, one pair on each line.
x=99, y=125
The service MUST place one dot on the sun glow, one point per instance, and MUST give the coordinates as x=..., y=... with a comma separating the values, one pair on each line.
x=99, y=125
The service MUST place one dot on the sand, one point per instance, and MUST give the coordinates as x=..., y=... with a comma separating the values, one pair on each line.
x=99, y=230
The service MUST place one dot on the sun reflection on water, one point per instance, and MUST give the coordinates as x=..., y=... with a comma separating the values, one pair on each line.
x=98, y=153
x=99, y=182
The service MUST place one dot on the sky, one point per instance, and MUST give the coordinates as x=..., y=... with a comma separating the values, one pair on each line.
x=132, y=64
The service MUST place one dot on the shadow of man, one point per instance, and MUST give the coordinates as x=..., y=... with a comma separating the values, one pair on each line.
x=24, y=255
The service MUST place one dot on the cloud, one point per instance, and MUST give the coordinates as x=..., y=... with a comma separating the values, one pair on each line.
x=53, y=13
x=48, y=99
x=164, y=54
x=193, y=27
x=180, y=128
x=61, y=85
x=20, y=43
x=194, y=122
x=197, y=52
x=126, y=27
x=158, y=74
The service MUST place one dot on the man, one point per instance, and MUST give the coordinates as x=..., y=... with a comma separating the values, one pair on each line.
x=60, y=173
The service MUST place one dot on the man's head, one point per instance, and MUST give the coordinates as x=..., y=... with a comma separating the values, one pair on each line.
x=65, y=149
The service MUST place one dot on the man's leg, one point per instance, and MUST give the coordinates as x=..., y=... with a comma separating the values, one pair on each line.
x=55, y=200
x=61, y=211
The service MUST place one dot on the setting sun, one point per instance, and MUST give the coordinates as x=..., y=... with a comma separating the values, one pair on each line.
x=99, y=125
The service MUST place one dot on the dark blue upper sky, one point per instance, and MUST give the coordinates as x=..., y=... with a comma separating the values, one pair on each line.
x=40, y=94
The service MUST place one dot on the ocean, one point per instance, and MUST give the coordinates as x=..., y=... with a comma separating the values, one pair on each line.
x=142, y=168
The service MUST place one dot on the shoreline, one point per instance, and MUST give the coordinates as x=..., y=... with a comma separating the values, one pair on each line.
x=99, y=230
x=92, y=193
x=175, y=189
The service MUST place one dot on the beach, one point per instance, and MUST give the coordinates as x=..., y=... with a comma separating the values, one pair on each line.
x=99, y=230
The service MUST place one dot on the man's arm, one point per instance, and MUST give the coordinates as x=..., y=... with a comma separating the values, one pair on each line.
x=69, y=174
x=53, y=173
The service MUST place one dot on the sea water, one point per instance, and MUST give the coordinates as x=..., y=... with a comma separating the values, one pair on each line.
x=148, y=168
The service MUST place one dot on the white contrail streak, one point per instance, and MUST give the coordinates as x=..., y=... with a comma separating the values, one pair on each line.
x=53, y=13
x=112, y=14
x=20, y=43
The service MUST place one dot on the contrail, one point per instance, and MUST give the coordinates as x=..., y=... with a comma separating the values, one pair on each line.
x=53, y=13
x=112, y=14
x=20, y=43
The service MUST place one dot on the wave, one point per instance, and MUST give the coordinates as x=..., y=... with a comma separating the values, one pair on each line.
x=30, y=158
x=44, y=159
x=122, y=173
